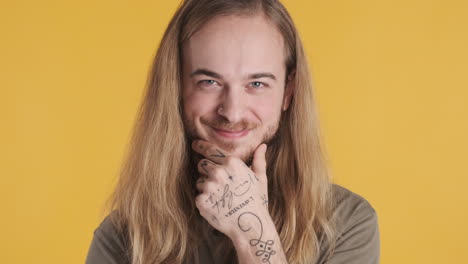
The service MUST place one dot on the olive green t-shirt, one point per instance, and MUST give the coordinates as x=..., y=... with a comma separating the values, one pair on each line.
x=357, y=241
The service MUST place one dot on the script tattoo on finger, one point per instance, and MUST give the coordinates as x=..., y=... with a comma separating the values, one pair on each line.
x=218, y=154
x=204, y=164
x=264, y=247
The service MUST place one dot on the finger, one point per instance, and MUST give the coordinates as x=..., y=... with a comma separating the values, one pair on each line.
x=199, y=184
x=204, y=204
x=259, y=161
x=205, y=185
x=200, y=201
x=206, y=166
x=212, y=171
x=210, y=151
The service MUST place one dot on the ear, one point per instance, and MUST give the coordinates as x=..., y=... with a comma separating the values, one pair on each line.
x=289, y=90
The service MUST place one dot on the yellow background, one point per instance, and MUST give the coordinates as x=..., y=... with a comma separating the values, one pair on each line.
x=391, y=80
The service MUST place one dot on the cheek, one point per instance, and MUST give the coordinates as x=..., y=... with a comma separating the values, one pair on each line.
x=196, y=105
x=268, y=109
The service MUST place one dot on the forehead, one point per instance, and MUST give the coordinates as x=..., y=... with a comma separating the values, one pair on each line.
x=233, y=45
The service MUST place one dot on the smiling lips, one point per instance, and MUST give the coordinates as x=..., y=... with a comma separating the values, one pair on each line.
x=231, y=134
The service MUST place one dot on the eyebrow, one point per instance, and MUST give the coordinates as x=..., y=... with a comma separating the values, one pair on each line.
x=219, y=76
x=207, y=73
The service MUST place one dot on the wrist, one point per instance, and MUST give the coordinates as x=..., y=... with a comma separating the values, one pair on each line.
x=251, y=229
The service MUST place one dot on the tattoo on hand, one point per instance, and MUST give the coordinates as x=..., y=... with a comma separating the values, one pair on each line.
x=264, y=248
x=239, y=206
x=229, y=175
x=210, y=198
x=226, y=197
x=240, y=193
x=204, y=164
x=219, y=154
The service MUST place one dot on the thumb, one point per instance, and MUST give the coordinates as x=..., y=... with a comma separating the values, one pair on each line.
x=259, y=160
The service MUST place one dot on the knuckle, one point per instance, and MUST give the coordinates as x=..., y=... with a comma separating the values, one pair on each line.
x=208, y=186
x=218, y=171
x=203, y=163
x=211, y=150
x=199, y=200
x=200, y=163
x=199, y=187
x=231, y=161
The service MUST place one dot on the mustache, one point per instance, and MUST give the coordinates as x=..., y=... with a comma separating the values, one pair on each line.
x=222, y=123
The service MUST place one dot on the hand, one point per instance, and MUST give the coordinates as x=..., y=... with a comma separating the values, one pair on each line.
x=229, y=188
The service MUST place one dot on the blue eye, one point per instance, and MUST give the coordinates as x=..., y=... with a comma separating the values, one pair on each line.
x=210, y=82
x=257, y=84
x=208, y=85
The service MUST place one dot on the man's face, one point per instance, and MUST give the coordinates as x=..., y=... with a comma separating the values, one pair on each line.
x=233, y=80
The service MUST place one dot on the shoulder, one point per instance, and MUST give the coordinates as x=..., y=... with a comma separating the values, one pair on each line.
x=357, y=239
x=349, y=205
x=109, y=244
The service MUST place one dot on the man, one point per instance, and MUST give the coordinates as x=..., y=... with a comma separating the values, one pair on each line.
x=226, y=164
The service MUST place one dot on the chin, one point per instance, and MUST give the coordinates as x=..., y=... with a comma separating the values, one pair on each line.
x=245, y=153
x=240, y=148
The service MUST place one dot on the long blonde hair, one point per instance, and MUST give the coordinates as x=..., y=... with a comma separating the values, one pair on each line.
x=154, y=197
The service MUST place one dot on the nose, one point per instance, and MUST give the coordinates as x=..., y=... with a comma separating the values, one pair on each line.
x=232, y=106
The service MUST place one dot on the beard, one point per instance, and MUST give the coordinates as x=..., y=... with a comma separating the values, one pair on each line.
x=220, y=122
